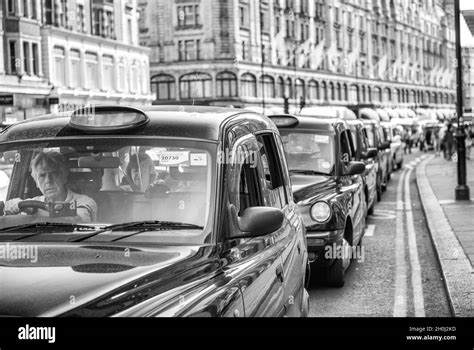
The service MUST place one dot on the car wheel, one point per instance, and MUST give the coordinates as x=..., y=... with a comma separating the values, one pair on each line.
x=335, y=272
x=399, y=165
x=372, y=207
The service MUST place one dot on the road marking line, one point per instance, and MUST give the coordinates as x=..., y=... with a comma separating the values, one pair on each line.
x=416, y=281
x=369, y=231
x=400, y=305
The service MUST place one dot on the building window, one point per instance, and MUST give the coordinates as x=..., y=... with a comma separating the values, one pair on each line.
x=36, y=70
x=134, y=78
x=189, y=50
x=244, y=15
x=268, y=86
x=300, y=88
x=195, y=85
x=249, y=85
x=108, y=72
x=226, y=84
x=13, y=58
x=188, y=15
x=129, y=31
x=163, y=87
x=11, y=4
x=26, y=58
x=122, y=76
x=142, y=23
x=313, y=90
x=63, y=15
x=280, y=91
x=59, y=65
x=289, y=88
x=25, y=9
x=48, y=11
x=92, y=72
x=80, y=25
x=34, y=10
x=75, y=62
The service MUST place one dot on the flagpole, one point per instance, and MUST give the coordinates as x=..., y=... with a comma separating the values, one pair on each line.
x=262, y=54
x=462, y=189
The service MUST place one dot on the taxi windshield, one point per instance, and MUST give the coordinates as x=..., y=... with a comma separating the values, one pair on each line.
x=370, y=135
x=110, y=182
x=309, y=150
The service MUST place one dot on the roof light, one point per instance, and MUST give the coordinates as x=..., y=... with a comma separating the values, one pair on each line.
x=108, y=119
x=284, y=120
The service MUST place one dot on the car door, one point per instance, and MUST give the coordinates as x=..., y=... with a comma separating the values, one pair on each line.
x=254, y=262
x=353, y=187
x=370, y=167
x=277, y=193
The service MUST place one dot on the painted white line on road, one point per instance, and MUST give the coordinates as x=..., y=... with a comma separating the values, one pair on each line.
x=416, y=281
x=400, y=305
x=369, y=231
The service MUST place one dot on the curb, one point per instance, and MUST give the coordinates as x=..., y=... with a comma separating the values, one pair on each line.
x=456, y=268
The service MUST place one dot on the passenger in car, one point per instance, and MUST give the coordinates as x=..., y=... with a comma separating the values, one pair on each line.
x=140, y=170
x=50, y=172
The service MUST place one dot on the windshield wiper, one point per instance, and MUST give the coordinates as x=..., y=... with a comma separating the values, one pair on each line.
x=46, y=227
x=309, y=172
x=152, y=225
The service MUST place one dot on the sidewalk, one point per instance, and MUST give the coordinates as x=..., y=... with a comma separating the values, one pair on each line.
x=451, y=224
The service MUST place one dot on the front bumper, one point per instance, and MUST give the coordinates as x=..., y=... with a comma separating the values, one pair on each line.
x=317, y=242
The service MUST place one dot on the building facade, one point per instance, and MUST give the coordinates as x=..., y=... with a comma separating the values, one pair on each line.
x=62, y=54
x=244, y=52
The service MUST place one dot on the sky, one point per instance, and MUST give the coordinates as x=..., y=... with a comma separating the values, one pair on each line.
x=466, y=37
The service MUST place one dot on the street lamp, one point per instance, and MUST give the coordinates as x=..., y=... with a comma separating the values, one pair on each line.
x=462, y=190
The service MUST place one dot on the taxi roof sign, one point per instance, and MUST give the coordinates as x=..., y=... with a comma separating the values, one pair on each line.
x=284, y=120
x=108, y=118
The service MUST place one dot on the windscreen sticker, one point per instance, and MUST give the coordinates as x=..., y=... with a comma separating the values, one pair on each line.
x=321, y=138
x=326, y=165
x=173, y=158
x=198, y=159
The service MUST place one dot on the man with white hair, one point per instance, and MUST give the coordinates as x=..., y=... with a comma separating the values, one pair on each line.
x=50, y=173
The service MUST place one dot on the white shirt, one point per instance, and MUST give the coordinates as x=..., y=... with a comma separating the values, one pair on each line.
x=86, y=207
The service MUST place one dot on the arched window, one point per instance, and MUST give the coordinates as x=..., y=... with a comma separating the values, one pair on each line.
x=369, y=94
x=289, y=88
x=332, y=95
x=249, y=85
x=195, y=85
x=435, y=98
x=346, y=93
x=427, y=97
x=300, y=88
x=226, y=84
x=163, y=87
x=363, y=94
x=355, y=92
x=280, y=87
x=268, y=86
x=440, y=98
x=313, y=90
x=325, y=91
x=388, y=94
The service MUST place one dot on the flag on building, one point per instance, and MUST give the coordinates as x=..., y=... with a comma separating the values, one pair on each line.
x=317, y=54
x=304, y=53
x=331, y=55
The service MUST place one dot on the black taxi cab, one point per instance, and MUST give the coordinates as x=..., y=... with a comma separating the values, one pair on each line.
x=160, y=211
x=328, y=188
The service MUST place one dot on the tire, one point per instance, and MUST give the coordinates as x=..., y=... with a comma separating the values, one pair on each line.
x=370, y=211
x=335, y=274
x=399, y=165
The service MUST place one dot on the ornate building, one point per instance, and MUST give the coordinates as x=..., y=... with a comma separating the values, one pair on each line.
x=61, y=54
x=244, y=52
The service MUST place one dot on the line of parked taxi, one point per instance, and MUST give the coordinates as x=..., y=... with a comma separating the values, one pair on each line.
x=234, y=224
x=339, y=163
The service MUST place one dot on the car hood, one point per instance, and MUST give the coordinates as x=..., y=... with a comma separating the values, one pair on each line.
x=306, y=186
x=89, y=279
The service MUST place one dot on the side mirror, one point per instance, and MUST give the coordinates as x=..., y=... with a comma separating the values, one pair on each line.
x=371, y=153
x=355, y=168
x=260, y=221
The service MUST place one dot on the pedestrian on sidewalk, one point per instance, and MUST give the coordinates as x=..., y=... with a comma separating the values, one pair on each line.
x=436, y=140
x=448, y=142
x=468, y=141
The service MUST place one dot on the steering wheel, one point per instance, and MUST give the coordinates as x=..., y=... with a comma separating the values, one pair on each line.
x=31, y=206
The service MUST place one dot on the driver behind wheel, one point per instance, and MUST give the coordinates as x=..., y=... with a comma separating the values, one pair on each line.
x=50, y=172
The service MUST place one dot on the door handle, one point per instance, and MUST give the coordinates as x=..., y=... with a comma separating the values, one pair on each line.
x=279, y=273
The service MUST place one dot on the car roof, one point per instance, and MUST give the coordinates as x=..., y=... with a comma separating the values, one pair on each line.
x=197, y=122
x=316, y=122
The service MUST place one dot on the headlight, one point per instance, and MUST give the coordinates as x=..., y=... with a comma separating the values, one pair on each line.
x=320, y=212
